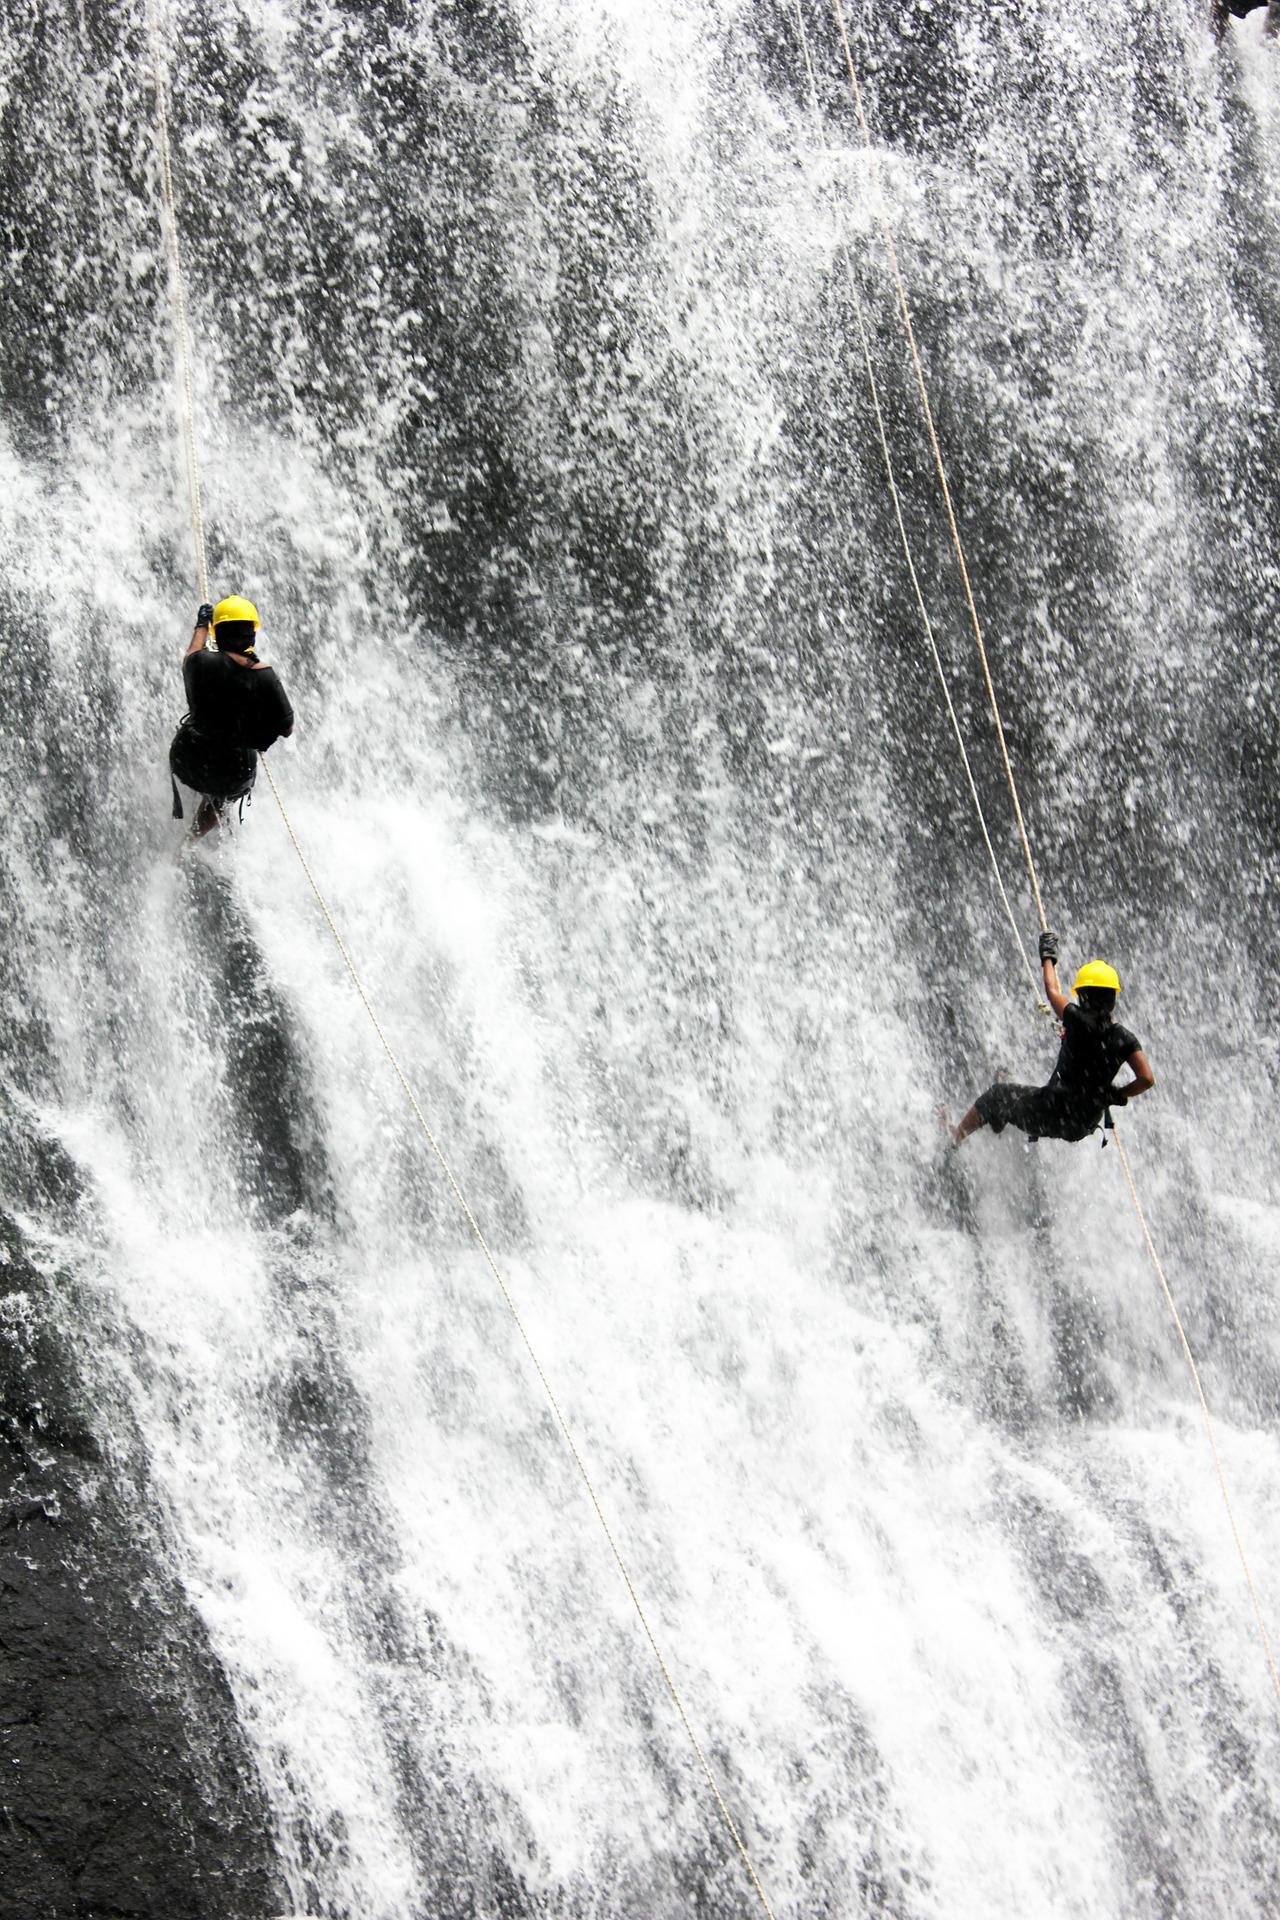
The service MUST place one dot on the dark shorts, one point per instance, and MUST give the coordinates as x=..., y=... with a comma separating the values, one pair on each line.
x=211, y=767
x=1042, y=1112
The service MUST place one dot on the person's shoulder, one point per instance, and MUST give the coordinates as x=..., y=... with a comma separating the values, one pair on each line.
x=1070, y=1014
x=1125, y=1038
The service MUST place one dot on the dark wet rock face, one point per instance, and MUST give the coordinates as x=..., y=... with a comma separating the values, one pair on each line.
x=532, y=411
x=125, y=1786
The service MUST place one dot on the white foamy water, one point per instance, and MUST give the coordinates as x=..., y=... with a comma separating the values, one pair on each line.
x=531, y=416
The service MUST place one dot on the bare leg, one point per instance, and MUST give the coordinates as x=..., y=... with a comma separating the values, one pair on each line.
x=969, y=1123
x=207, y=818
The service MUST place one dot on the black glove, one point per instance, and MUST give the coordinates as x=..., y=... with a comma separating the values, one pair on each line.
x=204, y=615
x=1049, y=947
x=1116, y=1098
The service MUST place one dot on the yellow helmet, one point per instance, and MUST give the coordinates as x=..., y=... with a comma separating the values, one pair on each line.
x=235, y=607
x=1096, y=973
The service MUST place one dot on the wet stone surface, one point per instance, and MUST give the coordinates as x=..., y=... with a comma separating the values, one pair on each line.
x=125, y=1788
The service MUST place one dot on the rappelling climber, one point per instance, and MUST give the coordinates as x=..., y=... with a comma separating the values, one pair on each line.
x=236, y=709
x=1221, y=11
x=1079, y=1094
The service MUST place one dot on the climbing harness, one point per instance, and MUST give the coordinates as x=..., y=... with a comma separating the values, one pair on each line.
x=455, y=1187
x=993, y=701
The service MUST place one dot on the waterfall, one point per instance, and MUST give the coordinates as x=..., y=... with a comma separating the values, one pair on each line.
x=532, y=416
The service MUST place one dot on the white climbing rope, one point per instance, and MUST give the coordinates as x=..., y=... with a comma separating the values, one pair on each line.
x=1194, y=1371
x=178, y=296
x=873, y=387
x=976, y=623
x=939, y=466
x=563, y=1424
x=187, y=413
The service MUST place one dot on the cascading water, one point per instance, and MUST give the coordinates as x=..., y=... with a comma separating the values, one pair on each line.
x=531, y=414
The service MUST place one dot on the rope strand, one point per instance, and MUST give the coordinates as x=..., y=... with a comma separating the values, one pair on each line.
x=904, y=539
x=940, y=469
x=187, y=410
x=455, y=1187
x=976, y=624
x=495, y=1270
x=1204, y=1408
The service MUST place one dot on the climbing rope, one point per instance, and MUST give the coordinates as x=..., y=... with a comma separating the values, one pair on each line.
x=455, y=1187
x=1204, y=1409
x=177, y=288
x=926, y=623
x=976, y=623
x=474, y=1225
x=939, y=465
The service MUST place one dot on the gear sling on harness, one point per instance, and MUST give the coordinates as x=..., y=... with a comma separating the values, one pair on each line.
x=212, y=767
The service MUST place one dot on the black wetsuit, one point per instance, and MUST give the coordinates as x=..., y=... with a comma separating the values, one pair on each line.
x=1094, y=1047
x=234, y=713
